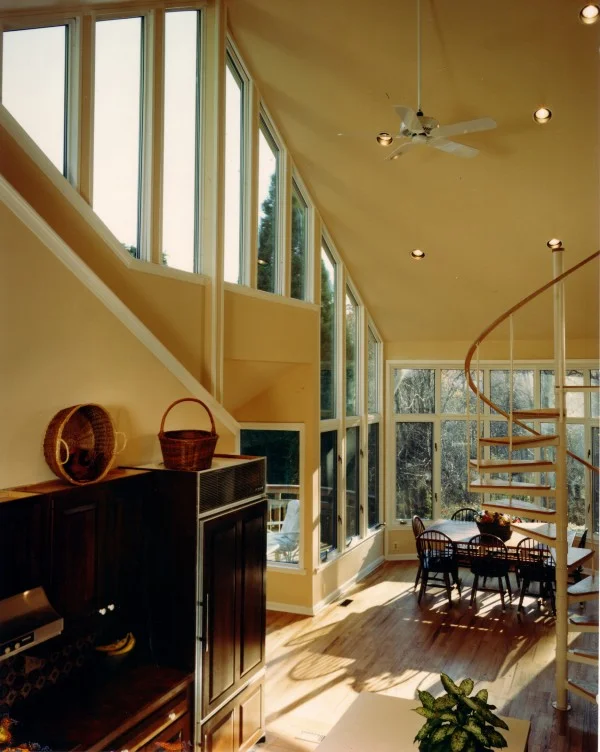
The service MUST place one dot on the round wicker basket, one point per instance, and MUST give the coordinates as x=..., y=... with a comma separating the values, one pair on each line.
x=188, y=449
x=81, y=443
x=491, y=528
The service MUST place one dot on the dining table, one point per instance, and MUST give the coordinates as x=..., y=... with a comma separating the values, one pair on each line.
x=461, y=532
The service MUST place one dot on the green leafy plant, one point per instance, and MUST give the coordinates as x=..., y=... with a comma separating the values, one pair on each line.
x=457, y=722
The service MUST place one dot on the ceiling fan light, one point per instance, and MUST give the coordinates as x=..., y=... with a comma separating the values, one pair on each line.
x=555, y=244
x=417, y=254
x=384, y=138
x=542, y=115
x=589, y=14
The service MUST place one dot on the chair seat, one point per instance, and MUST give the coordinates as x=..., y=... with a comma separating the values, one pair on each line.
x=434, y=563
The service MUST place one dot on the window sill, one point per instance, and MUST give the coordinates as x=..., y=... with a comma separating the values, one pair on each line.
x=354, y=544
x=251, y=292
x=284, y=568
x=161, y=270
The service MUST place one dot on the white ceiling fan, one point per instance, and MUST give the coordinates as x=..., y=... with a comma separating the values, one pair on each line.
x=421, y=130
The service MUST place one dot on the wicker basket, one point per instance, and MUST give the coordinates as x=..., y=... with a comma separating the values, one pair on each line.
x=492, y=528
x=81, y=443
x=188, y=449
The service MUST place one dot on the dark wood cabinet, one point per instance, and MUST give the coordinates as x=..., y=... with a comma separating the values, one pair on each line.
x=234, y=600
x=237, y=726
x=97, y=548
x=24, y=544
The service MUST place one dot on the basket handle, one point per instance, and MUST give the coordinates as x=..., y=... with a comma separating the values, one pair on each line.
x=62, y=443
x=187, y=399
x=119, y=449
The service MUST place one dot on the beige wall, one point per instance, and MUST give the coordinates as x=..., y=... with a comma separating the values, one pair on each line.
x=60, y=346
x=173, y=309
x=271, y=375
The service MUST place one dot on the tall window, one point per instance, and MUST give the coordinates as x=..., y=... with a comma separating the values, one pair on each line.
x=328, y=338
x=352, y=482
x=268, y=209
x=117, y=127
x=352, y=353
x=374, y=429
x=181, y=126
x=34, y=67
x=328, y=491
x=235, y=93
x=435, y=436
x=281, y=447
x=299, y=235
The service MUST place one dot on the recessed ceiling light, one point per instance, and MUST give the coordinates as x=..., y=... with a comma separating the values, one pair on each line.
x=542, y=115
x=589, y=14
x=555, y=244
x=384, y=138
x=417, y=254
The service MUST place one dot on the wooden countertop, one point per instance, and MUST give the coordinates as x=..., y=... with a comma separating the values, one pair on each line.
x=89, y=715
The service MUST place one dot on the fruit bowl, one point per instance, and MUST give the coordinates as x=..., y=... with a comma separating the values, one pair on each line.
x=494, y=528
x=112, y=655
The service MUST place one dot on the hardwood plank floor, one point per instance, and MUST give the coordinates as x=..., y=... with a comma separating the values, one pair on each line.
x=384, y=642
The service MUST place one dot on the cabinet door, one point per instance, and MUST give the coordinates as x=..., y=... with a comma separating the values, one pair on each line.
x=234, y=601
x=24, y=545
x=74, y=552
x=220, y=664
x=120, y=579
x=251, y=589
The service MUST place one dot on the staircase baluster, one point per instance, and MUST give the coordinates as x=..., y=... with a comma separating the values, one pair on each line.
x=478, y=413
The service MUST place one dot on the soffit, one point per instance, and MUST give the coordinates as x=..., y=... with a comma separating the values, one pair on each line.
x=325, y=66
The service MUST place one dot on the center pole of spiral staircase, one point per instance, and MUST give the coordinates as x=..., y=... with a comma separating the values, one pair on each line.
x=562, y=702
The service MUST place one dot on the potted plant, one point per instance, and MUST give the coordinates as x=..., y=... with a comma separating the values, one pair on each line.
x=457, y=722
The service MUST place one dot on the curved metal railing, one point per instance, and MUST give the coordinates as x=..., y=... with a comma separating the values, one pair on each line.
x=494, y=325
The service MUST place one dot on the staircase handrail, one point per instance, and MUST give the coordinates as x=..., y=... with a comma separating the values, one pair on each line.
x=480, y=395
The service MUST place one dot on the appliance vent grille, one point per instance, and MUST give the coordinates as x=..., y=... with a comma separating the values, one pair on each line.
x=225, y=486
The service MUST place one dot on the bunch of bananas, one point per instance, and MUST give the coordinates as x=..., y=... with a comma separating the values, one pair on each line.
x=119, y=647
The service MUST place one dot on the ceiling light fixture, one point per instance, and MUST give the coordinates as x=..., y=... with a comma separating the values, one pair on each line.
x=555, y=244
x=384, y=138
x=542, y=115
x=589, y=14
x=417, y=254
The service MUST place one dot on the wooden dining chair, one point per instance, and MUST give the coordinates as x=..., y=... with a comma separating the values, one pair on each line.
x=466, y=514
x=437, y=555
x=535, y=563
x=418, y=528
x=489, y=559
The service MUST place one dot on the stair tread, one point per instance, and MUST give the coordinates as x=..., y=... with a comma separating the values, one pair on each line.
x=583, y=620
x=519, y=505
x=539, y=412
x=584, y=587
x=587, y=688
x=513, y=465
x=543, y=531
x=498, y=483
x=585, y=652
x=521, y=441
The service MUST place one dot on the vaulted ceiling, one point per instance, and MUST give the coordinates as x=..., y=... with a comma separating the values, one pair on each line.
x=330, y=66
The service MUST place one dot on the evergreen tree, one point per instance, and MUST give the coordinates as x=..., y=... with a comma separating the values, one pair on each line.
x=267, y=239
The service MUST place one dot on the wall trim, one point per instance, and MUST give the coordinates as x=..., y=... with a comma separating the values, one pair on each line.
x=290, y=608
x=355, y=579
x=29, y=217
x=252, y=292
x=401, y=557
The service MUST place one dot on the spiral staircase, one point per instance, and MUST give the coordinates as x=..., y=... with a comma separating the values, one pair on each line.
x=546, y=507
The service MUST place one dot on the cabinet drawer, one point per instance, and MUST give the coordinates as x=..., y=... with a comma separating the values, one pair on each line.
x=161, y=720
x=238, y=725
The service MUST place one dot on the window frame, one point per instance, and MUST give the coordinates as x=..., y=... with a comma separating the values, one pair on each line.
x=299, y=428
x=71, y=138
x=375, y=418
x=486, y=416
x=271, y=135
x=297, y=185
x=240, y=72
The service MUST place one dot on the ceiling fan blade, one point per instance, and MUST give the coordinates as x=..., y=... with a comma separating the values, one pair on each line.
x=468, y=126
x=398, y=152
x=409, y=118
x=451, y=147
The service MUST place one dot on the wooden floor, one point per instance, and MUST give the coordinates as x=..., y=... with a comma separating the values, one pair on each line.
x=384, y=642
